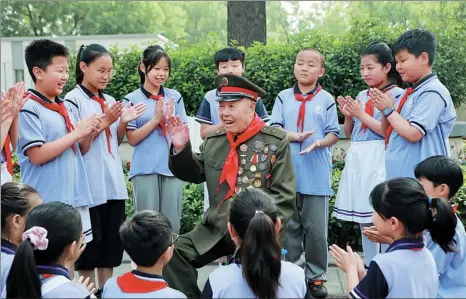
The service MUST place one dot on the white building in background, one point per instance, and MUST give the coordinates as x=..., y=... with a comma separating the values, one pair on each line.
x=13, y=66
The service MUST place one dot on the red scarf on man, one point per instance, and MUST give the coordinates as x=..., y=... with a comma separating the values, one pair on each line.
x=400, y=106
x=369, y=109
x=59, y=108
x=302, y=108
x=230, y=168
x=108, y=134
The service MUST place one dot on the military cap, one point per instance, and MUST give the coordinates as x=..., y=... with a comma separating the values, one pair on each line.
x=234, y=88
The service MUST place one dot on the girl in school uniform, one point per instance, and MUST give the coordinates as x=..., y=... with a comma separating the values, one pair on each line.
x=17, y=201
x=51, y=242
x=402, y=211
x=257, y=270
x=155, y=187
x=365, y=159
x=94, y=69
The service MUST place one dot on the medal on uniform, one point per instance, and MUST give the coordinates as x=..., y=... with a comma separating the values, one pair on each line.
x=243, y=161
x=264, y=158
x=243, y=147
x=254, y=159
x=245, y=180
x=237, y=190
x=268, y=176
x=253, y=168
x=257, y=183
x=262, y=166
x=273, y=159
x=238, y=180
x=258, y=175
x=240, y=170
x=273, y=148
x=257, y=146
x=266, y=150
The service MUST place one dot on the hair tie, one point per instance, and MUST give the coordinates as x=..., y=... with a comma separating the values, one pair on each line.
x=37, y=236
x=259, y=211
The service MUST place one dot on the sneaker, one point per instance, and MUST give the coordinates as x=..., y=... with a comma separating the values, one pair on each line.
x=317, y=288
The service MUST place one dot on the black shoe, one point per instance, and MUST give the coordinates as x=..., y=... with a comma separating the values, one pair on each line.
x=317, y=288
x=98, y=294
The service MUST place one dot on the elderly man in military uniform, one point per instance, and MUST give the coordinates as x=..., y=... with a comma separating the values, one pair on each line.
x=245, y=154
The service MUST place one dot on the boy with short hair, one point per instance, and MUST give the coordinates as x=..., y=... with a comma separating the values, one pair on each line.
x=51, y=141
x=309, y=116
x=419, y=128
x=148, y=239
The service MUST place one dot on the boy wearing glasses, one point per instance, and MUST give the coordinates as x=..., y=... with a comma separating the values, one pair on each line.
x=148, y=239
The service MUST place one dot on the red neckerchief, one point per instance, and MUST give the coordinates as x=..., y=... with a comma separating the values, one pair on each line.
x=302, y=108
x=400, y=106
x=108, y=134
x=9, y=160
x=369, y=109
x=59, y=108
x=230, y=168
x=129, y=283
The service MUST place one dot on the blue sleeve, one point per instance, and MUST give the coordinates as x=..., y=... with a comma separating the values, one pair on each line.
x=207, y=292
x=277, y=119
x=203, y=114
x=30, y=131
x=181, y=111
x=261, y=111
x=132, y=125
x=332, y=125
x=73, y=108
x=373, y=285
x=426, y=111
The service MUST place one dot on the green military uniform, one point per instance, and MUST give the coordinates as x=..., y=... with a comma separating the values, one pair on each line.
x=264, y=162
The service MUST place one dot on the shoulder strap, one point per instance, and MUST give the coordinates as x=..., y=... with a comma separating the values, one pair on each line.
x=53, y=283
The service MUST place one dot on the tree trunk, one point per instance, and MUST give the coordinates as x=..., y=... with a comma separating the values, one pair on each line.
x=246, y=22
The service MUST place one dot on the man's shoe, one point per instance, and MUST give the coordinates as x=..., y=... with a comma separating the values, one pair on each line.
x=317, y=288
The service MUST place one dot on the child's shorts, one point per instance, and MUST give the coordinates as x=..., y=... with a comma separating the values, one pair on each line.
x=84, y=212
x=106, y=249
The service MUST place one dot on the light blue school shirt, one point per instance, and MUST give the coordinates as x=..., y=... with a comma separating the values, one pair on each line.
x=112, y=289
x=430, y=110
x=208, y=112
x=406, y=270
x=451, y=266
x=313, y=170
x=150, y=156
x=104, y=170
x=358, y=135
x=61, y=179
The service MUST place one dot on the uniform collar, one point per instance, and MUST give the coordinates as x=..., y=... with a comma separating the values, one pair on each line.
x=386, y=87
x=147, y=275
x=407, y=243
x=148, y=94
x=423, y=81
x=43, y=98
x=297, y=91
x=54, y=270
x=8, y=247
x=89, y=93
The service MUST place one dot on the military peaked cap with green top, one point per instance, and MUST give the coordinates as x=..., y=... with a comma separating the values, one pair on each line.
x=234, y=88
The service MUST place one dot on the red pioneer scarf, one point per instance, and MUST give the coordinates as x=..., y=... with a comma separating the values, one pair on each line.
x=302, y=108
x=400, y=106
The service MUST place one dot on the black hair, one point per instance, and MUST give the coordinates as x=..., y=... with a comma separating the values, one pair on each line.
x=322, y=57
x=150, y=57
x=405, y=199
x=229, y=53
x=384, y=54
x=40, y=53
x=253, y=215
x=145, y=237
x=88, y=54
x=63, y=225
x=441, y=170
x=15, y=201
x=416, y=42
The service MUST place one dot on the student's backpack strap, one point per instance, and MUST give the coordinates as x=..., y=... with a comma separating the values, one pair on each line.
x=53, y=283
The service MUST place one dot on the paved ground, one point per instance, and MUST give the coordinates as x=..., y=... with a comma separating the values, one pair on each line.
x=336, y=284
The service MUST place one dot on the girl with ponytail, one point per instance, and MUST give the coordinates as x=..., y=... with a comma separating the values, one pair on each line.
x=402, y=211
x=257, y=270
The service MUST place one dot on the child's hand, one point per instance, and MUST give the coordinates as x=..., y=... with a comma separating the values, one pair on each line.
x=311, y=147
x=15, y=99
x=5, y=110
x=114, y=112
x=299, y=137
x=354, y=107
x=169, y=108
x=345, y=260
x=372, y=234
x=89, y=286
x=342, y=107
x=158, y=117
x=130, y=113
x=88, y=126
x=381, y=100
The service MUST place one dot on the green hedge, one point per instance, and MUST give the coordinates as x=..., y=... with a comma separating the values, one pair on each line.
x=271, y=65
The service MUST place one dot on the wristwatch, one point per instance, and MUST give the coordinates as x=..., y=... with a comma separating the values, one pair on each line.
x=387, y=111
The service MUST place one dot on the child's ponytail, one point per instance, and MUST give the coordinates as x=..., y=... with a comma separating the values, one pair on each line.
x=23, y=280
x=79, y=73
x=442, y=227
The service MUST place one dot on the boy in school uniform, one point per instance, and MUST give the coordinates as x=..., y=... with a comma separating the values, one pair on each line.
x=51, y=142
x=419, y=128
x=148, y=238
x=309, y=116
